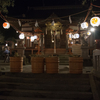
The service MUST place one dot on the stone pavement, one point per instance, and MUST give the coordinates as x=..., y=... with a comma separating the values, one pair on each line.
x=5, y=67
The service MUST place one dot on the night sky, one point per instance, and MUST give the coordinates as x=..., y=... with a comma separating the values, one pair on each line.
x=20, y=7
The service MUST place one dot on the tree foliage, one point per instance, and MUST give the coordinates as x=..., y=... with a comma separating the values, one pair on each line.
x=4, y=4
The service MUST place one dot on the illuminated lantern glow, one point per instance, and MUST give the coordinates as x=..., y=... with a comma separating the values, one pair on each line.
x=92, y=29
x=6, y=25
x=70, y=36
x=35, y=37
x=75, y=36
x=84, y=25
x=21, y=36
x=15, y=44
x=32, y=38
x=88, y=33
x=28, y=37
x=71, y=42
x=6, y=44
x=95, y=21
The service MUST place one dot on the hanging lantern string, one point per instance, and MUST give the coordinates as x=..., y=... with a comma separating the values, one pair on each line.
x=64, y=16
x=89, y=10
x=42, y=20
x=74, y=14
x=51, y=18
x=8, y=22
x=95, y=6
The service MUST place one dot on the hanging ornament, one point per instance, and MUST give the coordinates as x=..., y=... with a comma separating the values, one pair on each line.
x=51, y=32
x=70, y=19
x=36, y=24
x=21, y=36
x=95, y=21
x=61, y=32
x=6, y=25
x=46, y=30
x=19, y=22
x=53, y=23
x=70, y=36
x=88, y=33
x=84, y=25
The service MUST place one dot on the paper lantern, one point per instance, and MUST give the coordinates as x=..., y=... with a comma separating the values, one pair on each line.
x=21, y=36
x=6, y=25
x=84, y=25
x=77, y=35
x=32, y=38
x=35, y=37
x=70, y=36
x=88, y=33
x=28, y=37
x=95, y=21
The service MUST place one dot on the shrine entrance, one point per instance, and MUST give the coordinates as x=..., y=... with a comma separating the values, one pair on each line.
x=54, y=36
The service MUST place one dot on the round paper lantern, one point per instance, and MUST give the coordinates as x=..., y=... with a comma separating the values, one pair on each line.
x=35, y=37
x=88, y=33
x=73, y=36
x=28, y=37
x=21, y=36
x=76, y=35
x=70, y=36
x=6, y=25
x=32, y=38
x=95, y=21
x=84, y=25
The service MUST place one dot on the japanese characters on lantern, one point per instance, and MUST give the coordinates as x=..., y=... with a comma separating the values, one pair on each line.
x=95, y=21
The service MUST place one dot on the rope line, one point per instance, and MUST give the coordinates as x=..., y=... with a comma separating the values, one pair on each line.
x=96, y=6
x=90, y=8
x=54, y=18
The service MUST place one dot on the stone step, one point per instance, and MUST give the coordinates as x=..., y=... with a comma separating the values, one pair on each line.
x=50, y=87
x=47, y=94
x=44, y=75
x=45, y=81
x=27, y=98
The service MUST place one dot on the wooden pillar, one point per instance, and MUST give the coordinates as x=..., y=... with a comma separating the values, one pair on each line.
x=42, y=40
x=54, y=43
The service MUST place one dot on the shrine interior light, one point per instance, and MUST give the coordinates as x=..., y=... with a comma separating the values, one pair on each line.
x=15, y=44
x=6, y=44
x=92, y=29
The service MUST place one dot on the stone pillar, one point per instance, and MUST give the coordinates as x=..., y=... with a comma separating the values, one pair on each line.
x=96, y=62
x=85, y=51
x=20, y=48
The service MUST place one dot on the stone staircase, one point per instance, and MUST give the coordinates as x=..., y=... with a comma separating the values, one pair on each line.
x=29, y=86
x=63, y=59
